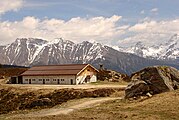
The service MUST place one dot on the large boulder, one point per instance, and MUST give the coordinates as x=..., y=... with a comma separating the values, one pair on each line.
x=152, y=80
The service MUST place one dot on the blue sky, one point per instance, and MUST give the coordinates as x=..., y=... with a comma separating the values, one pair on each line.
x=67, y=9
x=134, y=17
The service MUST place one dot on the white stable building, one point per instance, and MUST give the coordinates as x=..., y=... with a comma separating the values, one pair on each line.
x=67, y=74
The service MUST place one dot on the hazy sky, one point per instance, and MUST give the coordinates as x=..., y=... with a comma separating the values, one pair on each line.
x=111, y=22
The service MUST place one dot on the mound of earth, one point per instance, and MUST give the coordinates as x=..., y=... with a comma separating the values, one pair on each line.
x=11, y=100
x=152, y=80
x=112, y=76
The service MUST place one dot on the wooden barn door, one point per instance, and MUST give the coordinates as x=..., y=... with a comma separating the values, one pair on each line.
x=71, y=81
x=20, y=80
x=43, y=81
x=87, y=79
x=29, y=81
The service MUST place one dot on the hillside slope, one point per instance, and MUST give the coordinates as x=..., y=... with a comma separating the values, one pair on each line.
x=160, y=107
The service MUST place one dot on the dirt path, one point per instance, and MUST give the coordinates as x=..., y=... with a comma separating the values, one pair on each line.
x=86, y=103
x=54, y=87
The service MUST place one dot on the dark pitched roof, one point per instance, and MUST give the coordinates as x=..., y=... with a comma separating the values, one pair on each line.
x=47, y=70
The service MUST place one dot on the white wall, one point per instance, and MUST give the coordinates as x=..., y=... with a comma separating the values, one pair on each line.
x=80, y=77
x=89, y=71
x=65, y=79
x=93, y=78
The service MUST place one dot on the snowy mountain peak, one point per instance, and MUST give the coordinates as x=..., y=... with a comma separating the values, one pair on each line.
x=166, y=50
x=38, y=51
x=175, y=36
x=139, y=44
x=60, y=41
x=30, y=41
x=32, y=51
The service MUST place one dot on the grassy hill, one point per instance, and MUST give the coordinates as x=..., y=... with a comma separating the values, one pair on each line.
x=160, y=107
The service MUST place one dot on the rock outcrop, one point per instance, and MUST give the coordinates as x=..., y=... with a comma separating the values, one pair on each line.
x=152, y=80
x=112, y=76
x=33, y=51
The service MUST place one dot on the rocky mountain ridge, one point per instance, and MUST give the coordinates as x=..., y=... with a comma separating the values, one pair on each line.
x=165, y=51
x=32, y=51
x=58, y=51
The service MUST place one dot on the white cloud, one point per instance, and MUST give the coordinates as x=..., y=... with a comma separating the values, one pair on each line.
x=141, y=27
x=100, y=29
x=76, y=29
x=10, y=5
x=163, y=27
x=154, y=10
x=151, y=32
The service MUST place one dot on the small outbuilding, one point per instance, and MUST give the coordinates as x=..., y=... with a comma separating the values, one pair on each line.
x=67, y=74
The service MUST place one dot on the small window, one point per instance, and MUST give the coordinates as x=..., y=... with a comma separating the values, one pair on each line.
x=88, y=69
x=62, y=80
x=54, y=79
x=47, y=79
x=40, y=79
x=33, y=79
x=26, y=79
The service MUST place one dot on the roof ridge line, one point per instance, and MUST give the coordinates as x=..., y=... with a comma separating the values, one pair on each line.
x=58, y=65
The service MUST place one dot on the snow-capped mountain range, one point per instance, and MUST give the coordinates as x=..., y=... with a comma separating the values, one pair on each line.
x=32, y=51
x=37, y=51
x=165, y=51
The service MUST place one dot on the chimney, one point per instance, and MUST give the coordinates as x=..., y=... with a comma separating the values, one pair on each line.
x=101, y=67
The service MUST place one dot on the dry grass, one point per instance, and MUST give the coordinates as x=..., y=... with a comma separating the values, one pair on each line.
x=35, y=87
x=163, y=106
x=13, y=98
x=160, y=107
x=109, y=83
